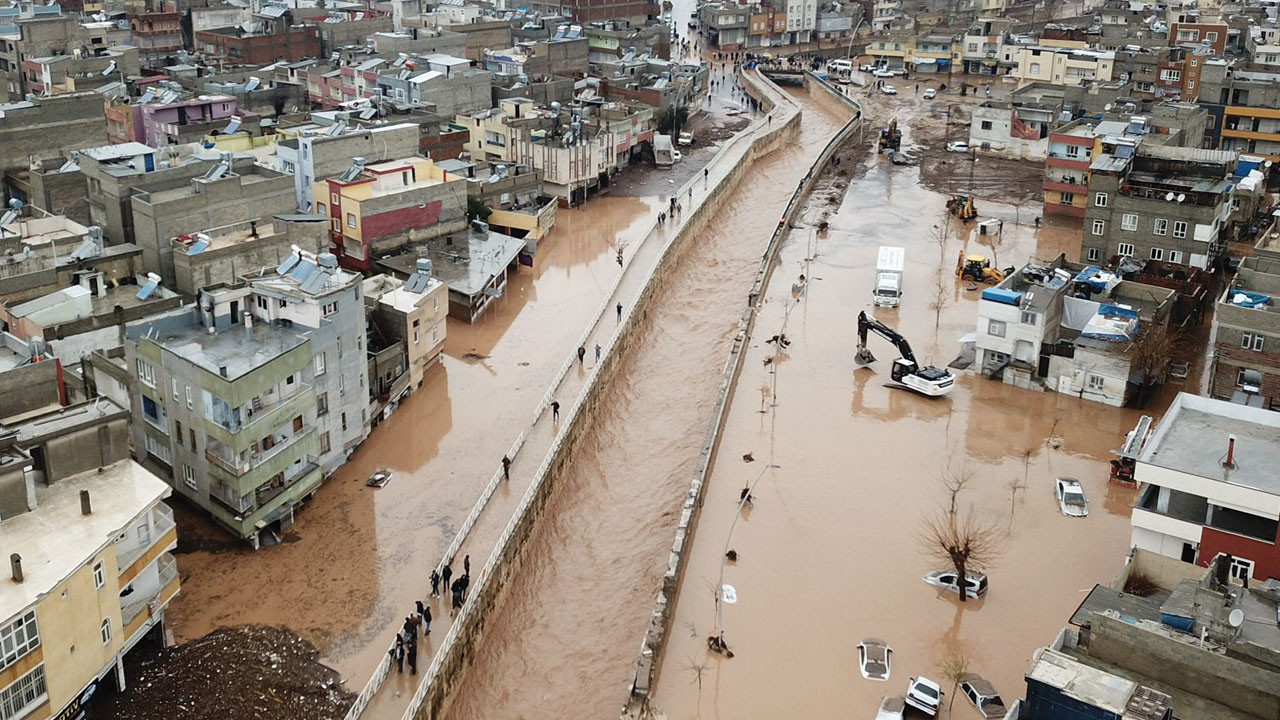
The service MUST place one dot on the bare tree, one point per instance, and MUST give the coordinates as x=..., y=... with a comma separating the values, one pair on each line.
x=619, y=246
x=1019, y=483
x=938, y=302
x=953, y=667
x=764, y=394
x=1150, y=355
x=960, y=537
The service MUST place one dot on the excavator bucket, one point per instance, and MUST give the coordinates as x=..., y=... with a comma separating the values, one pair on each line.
x=864, y=357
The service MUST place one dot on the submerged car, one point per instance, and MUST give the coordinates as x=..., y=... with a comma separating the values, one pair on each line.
x=957, y=146
x=930, y=94
x=379, y=479
x=975, y=585
x=924, y=695
x=983, y=696
x=888, y=90
x=875, y=659
x=1071, y=499
x=891, y=708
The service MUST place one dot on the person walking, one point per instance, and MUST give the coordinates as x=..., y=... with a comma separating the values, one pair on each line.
x=413, y=656
x=582, y=353
x=466, y=565
x=445, y=574
x=465, y=580
x=421, y=610
x=619, y=312
x=705, y=176
x=426, y=621
x=555, y=411
x=435, y=583
x=398, y=651
x=597, y=353
x=506, y=472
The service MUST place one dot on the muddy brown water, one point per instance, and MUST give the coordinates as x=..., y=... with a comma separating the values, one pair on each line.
x=561, y=641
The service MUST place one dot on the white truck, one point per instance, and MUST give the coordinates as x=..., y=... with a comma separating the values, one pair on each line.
x=889, y=264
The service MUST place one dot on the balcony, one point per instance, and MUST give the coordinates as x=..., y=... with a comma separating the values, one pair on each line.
x=1176, y=513
x=135, y=614
x=162, y=527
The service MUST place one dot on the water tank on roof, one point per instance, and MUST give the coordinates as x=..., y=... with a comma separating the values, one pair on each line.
x=424, y=266
x=327, y=260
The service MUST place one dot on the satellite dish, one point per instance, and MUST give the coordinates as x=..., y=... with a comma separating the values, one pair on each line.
x=1169, y=197
x=1107, y=107
x=730, y=595
x=1182, y=197
x=1235, y=619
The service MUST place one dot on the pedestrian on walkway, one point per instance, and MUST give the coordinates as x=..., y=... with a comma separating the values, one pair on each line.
x=466, y=565
x=555, y=411
x=582, y=354
x=466, y=583
x=426, y=621
x=506, y=475
x=435, y=583
x=421, y=610
x=445, y=574
x=619, y=312
x=410, y=629
x=705, y=175
x=413, y=657
x=398, y=651
x=597, y=353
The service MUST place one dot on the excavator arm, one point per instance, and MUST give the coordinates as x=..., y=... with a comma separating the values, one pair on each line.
x=867, y=323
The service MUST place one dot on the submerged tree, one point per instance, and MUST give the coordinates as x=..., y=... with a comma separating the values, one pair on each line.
x=1151, y=353
x=959, y=537
x=672, y=120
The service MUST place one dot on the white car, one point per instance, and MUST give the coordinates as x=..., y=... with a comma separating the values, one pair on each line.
x=882, y=73
x=924, y=695
x=975, y=585
x=1071, y=499
x=867, y=68
x=958, y=146
x=930, y=94
x=379, y=479
x=891, y=708
x=676, y=156
x=875, y=659
x=983, y=696
x=888, y=90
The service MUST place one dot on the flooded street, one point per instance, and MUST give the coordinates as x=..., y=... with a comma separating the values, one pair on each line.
x=357, y=557
x=832, y=553
x=561, y=642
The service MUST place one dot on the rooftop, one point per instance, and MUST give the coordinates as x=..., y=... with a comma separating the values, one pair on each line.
x=55, y=539
x=1192, y=438
x=1076, y=680
x=240, y=350
x=468, y=264
x=61, y=420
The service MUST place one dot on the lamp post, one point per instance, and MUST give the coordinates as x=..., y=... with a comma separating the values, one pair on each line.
x=716, y=642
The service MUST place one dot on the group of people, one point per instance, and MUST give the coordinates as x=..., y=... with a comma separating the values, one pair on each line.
x=418, y=623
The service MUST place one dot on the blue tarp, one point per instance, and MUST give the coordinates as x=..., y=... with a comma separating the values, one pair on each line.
x=1178, y=622
x=1093, y=277
x=1246, y=299
x=1000, y=295
x=1247, y=164
x=1117, y=311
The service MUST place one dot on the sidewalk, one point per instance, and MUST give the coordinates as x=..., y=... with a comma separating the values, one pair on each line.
x=536, y=441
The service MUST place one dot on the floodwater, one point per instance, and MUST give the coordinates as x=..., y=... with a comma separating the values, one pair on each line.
x=357, y=558
x=831, y=552
x=562, y=640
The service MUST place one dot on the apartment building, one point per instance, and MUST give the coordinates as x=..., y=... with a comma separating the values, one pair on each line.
x=407, y=318
x=246, y=401
x=1207, y=486
x=157, y=32
x=983, y=43
x=28, y=30
x=218, y=256
x=448, y=83
x=1059, y=65
x=377, y=208
x=884, y=14
x=1242, y=106
x=48, y=128
x=318, y=155
x=80, y=71
x=1069, y=154
x=90, y=565
x=1246, y=340
x=1170, y=204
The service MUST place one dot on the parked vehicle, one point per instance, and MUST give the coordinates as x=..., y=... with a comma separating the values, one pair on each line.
x=676, y=156
x=1071, y=499
x=881, y=73
x=890, y=262
x=875, y=659
x=958, y=146
x=663, y=151
x=975, y=584
x=867, y=68
x=379, y=479
x=924, y=695
x=983, y=696
x=891, y=708
x=930, y=94
x=888, y=90
x=684, y=138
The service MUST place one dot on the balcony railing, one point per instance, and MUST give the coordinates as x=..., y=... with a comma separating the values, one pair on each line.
x=167, y=571
x=241, y=469
x=161, y=523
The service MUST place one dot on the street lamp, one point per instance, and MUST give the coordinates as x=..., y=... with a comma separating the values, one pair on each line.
x=848, y=53
x=716, y=642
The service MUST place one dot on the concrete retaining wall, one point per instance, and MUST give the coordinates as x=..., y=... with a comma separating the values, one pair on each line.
x=468, y=629
x=648, y=664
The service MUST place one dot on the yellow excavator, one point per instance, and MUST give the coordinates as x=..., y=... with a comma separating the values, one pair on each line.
x=978, y=268
x=891, y=137
x=963, y=207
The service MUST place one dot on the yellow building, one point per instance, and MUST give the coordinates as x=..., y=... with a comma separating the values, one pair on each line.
x=91, y=575
x=490, y=134
x=1049, y=63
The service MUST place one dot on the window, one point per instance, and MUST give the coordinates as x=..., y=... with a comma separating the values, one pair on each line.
x=996, y=328
x=1073, y=151
x=1095, y=254
x=1157, y=253
x=1099, y=227
x=1161, y=227
x=1129, y=222
x=191, y=434
x=333, y=197
x=106, y=631
x=1241, y=569
x=415, y=337
x=144, y=534
x=1125, y=249
x=322, y=404
x=1251, y=341
x=330, y=308
x=1029, y=317
x=351, y=220
x=1068, y=198
x=986, y=124
x=178, y=425
x=1175, y=256
x=435, y=334
x=1171, y=76
x=190, y=404
x=1095, y=382
x=1180, y=229
x=1035, y=68
x=189, y=477
x=344, y=421
x=146, y=373
x=1211, y=36
x=324, y=443
x=23, y=695
x=99, y=577
x=18, y=638
x=321, y=209
x=1100, y=199
x=175, y=389
x=320, y=364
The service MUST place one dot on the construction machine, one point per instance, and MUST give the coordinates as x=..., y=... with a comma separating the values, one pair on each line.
x=928, y=380
x=978, y=268
x=963, y=207
x=891, y=137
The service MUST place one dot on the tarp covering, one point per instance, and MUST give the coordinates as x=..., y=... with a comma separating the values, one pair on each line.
x=1097, y=279
x=1246, y=299
x=1077, y=312
x=1000, y=295
x=1112, y=323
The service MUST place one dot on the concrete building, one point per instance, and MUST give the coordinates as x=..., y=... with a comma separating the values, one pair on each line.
x=982, y=47
x=1169, y=204
x=29, y=30
x=635, y=11
x=1242, y=107
x=1207, y=486
x=273, y=39
x=1059, y=65
x=81, y=71
x=885, y=14
x=247, y=400
x=407, y=319
x=157, y=32
x=231, y=188
x=1246, y=340
x=320, y=155
x=378, y=208
x=422, y=41
x=474, y=264
x=113, y=172
x=1014, y=131
x=448, y=83
x=159, y=124
x=563, y=56
x=47, y=128
x=91, y=571
x=218, y=256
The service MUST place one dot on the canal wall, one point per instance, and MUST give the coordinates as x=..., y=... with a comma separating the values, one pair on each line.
x=731, y=163
x=648, y=663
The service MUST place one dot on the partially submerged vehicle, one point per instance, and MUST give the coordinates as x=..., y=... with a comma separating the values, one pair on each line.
x=975, y=584
x=891, y=708
x=924, y=695
x=379, y=479
x=983, y=696
x=1071, y=499
x=875, y=659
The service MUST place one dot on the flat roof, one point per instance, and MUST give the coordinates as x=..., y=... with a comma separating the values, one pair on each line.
x=55, y=539
x=105, y=153
x=1192, y=438
x=466, y=267
x=239, y=350
x=59, y=420
x=1096, y=687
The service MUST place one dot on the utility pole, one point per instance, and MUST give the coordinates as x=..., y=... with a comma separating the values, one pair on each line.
x=716, y=642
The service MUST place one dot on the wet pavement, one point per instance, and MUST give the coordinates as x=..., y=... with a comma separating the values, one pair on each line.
x=561, y=641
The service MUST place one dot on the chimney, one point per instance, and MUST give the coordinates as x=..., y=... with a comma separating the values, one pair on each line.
x=1229, y=462
x=86, y=506
x=248, y=324
x=15, y=564
x=222, y=370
